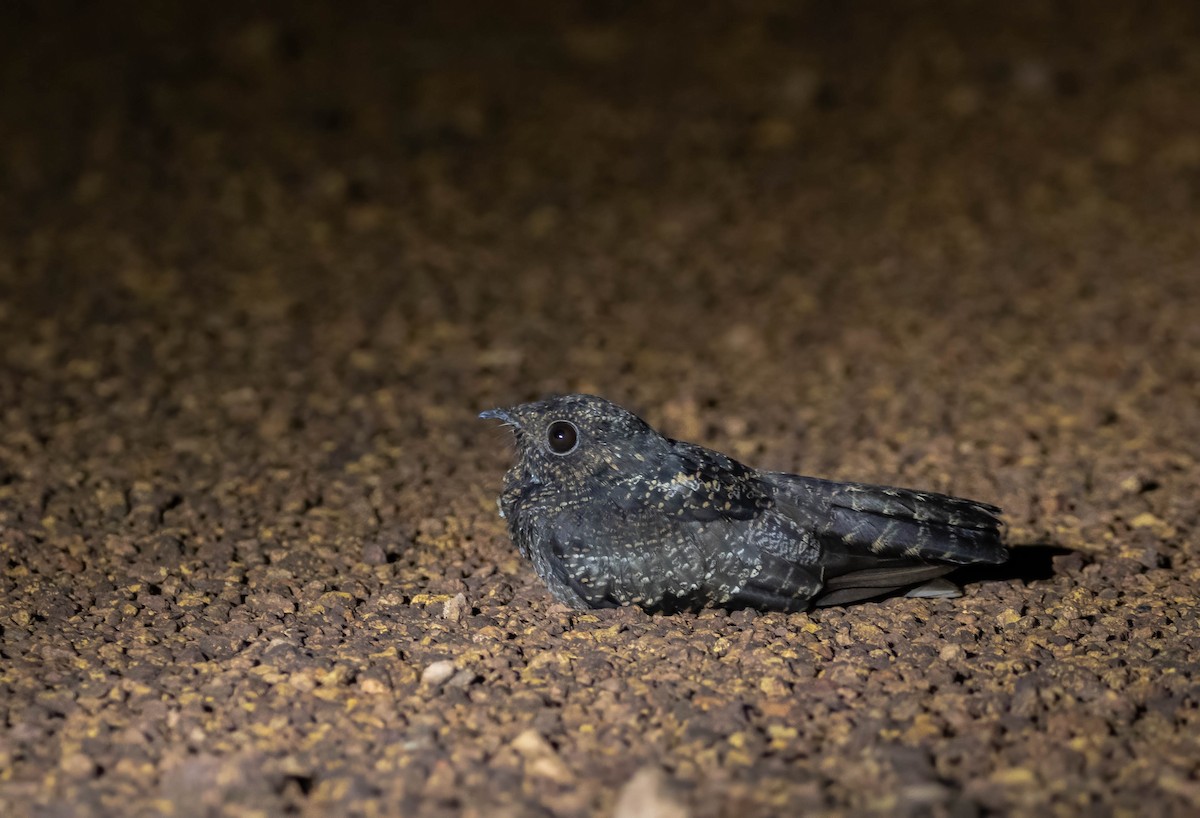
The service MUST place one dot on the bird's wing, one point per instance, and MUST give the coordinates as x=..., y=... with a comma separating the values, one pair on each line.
x=724, y=542
x=872, y=524
x=690, y=483
x=657, y=561
x=767, y=562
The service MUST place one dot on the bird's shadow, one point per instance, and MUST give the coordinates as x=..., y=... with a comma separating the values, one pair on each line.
x=1028, y=562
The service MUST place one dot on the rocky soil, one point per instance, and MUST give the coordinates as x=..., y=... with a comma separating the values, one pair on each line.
x=261, y=268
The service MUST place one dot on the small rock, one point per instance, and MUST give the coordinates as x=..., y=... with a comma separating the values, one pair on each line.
x=922, y=795
x=464, y=678
x=773, y=687
x=454, y=607
x=373, y=554
x=437, y=673
x=78, y=765
x=648, y=795
x=532, y=744
x=551, y=768
x=949, y=653
x=1145, y=520
x=1008, y=617
x=541, y=760
x=271, y=602
x=372, y=686
x=1156, y=524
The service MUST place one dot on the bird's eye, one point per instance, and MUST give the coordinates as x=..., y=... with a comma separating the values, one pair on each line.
x=562, y=436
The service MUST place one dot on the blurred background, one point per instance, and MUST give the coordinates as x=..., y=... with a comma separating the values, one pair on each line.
x=262, y=264
x=789, y=216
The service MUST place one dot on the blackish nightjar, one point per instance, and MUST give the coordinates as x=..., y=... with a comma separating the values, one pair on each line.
x=612, y=513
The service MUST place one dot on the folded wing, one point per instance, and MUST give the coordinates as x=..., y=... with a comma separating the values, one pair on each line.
x=875, y=539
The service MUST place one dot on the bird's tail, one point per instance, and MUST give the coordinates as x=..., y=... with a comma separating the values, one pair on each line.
x=876, y=539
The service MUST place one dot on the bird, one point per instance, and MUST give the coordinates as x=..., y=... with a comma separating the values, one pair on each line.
x=612, y=513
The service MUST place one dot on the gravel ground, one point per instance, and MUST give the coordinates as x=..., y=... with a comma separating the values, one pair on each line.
x=259, y=270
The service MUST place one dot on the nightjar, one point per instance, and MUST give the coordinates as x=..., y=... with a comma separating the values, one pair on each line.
x=612, y=513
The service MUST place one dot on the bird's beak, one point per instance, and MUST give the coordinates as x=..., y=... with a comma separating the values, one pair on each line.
x=502, y=415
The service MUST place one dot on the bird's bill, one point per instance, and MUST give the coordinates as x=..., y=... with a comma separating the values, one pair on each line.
x=502, y=415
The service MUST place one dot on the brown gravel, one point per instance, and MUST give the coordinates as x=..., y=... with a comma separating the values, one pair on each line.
x=260, y=269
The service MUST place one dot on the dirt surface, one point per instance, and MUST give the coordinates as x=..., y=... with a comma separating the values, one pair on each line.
x=260, y=270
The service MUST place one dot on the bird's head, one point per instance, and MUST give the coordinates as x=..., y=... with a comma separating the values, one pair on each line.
x=574, y=439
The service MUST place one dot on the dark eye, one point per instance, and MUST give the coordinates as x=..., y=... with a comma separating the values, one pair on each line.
x=563, y=437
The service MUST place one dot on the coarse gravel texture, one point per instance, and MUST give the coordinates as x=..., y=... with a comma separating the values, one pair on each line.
x=260, y=267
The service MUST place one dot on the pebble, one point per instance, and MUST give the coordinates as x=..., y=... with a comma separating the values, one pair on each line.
x=647, y=795
x=437, y=673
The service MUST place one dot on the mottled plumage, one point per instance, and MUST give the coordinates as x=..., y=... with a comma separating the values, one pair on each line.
x=612, y=513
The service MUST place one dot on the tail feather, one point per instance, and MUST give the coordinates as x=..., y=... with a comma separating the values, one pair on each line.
x=863, y=526
x=921, y=506
x=887, y=577
x=886, y=536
